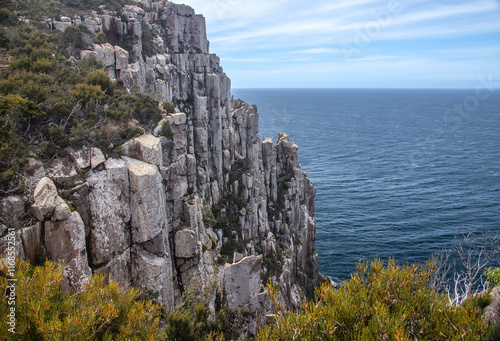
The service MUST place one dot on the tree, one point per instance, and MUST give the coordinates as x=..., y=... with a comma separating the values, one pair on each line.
x=459, y=271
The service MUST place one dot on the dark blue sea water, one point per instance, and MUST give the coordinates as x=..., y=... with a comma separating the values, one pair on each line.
x=398, y=172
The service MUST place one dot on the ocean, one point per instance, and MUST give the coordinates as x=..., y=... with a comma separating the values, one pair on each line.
x=398, y=173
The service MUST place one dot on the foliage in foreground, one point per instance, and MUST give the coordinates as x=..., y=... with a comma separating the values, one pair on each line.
x=380, y=302
x=103, y=311
x=99, y=312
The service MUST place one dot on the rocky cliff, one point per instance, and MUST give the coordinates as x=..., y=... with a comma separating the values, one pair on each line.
x=201, y=199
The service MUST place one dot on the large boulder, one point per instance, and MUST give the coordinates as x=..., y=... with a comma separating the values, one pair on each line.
x=96, y=157
x=11, y=207
x=241, y=281
x=80, y=157
x=65, y=239
x=62, y=172
x=48, y=202
x=492, y=312
x=108, y=55
x=121, y=56
x=185, y=244
x=146, y=148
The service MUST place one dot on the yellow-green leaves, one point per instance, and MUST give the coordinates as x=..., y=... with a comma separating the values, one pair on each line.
x=379, y=302
x=99, y=312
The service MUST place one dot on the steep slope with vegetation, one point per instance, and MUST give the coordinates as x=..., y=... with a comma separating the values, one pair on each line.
x=123, y=153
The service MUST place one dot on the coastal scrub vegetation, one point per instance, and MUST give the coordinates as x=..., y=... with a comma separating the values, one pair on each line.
x=381, y=302
x=50, y=101
x=100, y=311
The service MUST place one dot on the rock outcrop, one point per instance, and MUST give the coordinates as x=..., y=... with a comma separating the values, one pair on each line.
x=172, y=207
x=492, y=312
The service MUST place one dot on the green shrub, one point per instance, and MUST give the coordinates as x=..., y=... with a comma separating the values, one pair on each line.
x=73, y=39
x=7, y=18
x=169, y=107
x=49, y=101
x=166, y=130
x=208, y=217
x=493, y=276
x=191, y=322
x=379, y=302
x=20, y=111
x=100, y=38
x=98, y=312
x=85, y=92
x=102, y=79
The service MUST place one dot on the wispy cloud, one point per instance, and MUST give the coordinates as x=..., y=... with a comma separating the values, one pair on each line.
x=459, y=36
x=319, y=50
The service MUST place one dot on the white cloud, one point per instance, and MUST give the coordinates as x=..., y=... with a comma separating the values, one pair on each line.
x=293, y=36
x=319, y=50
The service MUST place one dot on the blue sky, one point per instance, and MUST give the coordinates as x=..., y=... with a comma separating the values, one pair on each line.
x=354, y=43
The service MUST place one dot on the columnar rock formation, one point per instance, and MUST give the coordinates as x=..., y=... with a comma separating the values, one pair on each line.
x=173, y=209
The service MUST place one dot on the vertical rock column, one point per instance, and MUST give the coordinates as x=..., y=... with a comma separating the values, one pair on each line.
x=151, y=259
x=109, y=198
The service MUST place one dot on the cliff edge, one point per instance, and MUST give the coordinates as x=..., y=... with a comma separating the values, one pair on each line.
x=197, y=200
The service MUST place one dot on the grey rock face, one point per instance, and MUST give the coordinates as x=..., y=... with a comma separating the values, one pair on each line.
x=61, y=171
x=32, y=241
x=109, y=198
x=96, y=157
x=146, y=148
x=185, y=244
x=65, y=241
x=492, y=312
x=118, y=269
x=151, y=217
x=81, y=158
x=147, y=202
x=153, y=274
x=11, y=207
x=241, y=281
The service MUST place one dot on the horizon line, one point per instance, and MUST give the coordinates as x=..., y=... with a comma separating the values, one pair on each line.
x=345, y=88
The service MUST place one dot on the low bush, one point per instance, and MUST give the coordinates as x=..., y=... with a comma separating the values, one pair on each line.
x=99, y=311
x=493, y=276
x=169, y=107
x=391, y=302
